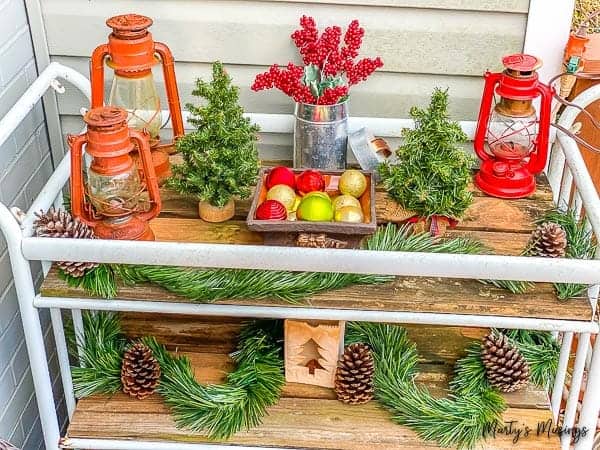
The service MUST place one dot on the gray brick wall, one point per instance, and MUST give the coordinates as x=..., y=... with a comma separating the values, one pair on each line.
x=25, y=164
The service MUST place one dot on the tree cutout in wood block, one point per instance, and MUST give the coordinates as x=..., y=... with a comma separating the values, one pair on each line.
x=311, y=351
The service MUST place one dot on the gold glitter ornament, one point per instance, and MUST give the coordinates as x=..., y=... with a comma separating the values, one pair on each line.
x=351, y=214
x=283, y=194
x=345, y=200
x=296, y=204
x=352, y=182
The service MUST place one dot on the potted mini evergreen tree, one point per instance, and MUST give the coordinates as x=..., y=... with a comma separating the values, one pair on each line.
x=220, y=159
x=432, y=174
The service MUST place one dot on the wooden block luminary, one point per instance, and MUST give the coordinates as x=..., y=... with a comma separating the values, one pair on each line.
x=312, y=350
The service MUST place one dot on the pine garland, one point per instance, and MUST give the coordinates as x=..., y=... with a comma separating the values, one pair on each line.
x=210, y=285
x=100, y=350
x=580, y=245
x=473, y=406
x=100, y=281
x=217, y=410
x=207, y=286
x=461, y=419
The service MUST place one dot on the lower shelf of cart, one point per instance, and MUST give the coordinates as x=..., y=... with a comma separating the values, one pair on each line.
x=300, y=423
x=306, y=417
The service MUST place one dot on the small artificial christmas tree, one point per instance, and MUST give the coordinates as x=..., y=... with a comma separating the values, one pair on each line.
x=220, y=159
x=433, y=173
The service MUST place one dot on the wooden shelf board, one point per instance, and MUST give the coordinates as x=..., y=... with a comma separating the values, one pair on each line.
x=502, y=225
x=412, y=294
x=306, y=417
x=485, y=214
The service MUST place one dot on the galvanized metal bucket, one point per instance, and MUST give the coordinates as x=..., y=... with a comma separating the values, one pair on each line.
x=321, y=136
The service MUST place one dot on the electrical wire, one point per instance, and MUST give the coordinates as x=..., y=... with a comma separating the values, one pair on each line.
x=586, y=113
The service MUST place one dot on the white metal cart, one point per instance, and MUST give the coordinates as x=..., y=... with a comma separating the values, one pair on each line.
x=567, y=174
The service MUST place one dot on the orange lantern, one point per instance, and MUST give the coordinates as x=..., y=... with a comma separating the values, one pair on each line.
x=117, y=199
x=131, y=52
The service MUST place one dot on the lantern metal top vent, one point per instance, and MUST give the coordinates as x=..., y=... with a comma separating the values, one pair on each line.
x=510, y=139
x=131, y=52
x=116, y=198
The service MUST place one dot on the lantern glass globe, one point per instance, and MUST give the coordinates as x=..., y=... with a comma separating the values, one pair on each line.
x=114, y=195
x=139, y=97
x=511, y=138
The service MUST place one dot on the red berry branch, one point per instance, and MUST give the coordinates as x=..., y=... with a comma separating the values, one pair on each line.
x=330, y=67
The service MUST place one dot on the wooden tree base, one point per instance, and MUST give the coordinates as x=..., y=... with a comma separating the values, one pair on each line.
x=215, y=214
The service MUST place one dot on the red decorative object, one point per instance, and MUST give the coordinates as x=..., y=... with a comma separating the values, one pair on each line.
x=281, y=175
x=113, y=198
x=271, y=210
x=330, y=67
x=309, y=181
x=510, y=139
x=131, y=52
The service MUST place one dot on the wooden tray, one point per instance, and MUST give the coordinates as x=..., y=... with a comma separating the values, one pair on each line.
x=283, y=232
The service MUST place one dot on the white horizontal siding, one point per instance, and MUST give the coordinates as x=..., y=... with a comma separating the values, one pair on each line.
x=515, y=6
x=385, y=94
x=424, y=44
x=257, y=33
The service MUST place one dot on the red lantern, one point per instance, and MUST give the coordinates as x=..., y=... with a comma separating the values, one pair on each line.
x=510, y=139
x=113, y=199
x=131, y=53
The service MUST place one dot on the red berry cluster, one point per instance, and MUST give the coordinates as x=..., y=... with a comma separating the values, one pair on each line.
x=324, y=52
x=332, y=95
x=287, y=80
x=362, y=70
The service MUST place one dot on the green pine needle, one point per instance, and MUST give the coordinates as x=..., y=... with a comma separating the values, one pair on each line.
x=469, y=373
x=102, y=347
x=400, y=238
x=222, y=410
x=209, y=285
x=99, y=281
x=432, y=174
x=514, y=286
x=580, y=245
x=217, y=410
x=460, y=420
x=220, y=157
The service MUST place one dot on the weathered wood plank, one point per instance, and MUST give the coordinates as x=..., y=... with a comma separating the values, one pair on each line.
x=485, y=214
x=292, y=423
x=236, y=232
x=441, y=345
x=448, y=296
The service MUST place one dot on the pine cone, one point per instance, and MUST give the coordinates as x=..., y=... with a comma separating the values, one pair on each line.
x=5, y=445
x=60, y=224
x=140, y=371
x=549, y=240
x=354, y=375
x=505, y=367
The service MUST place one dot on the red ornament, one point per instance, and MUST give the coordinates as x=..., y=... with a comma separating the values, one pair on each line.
x=309, y=181
x=281, y=175
x=271, y=210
